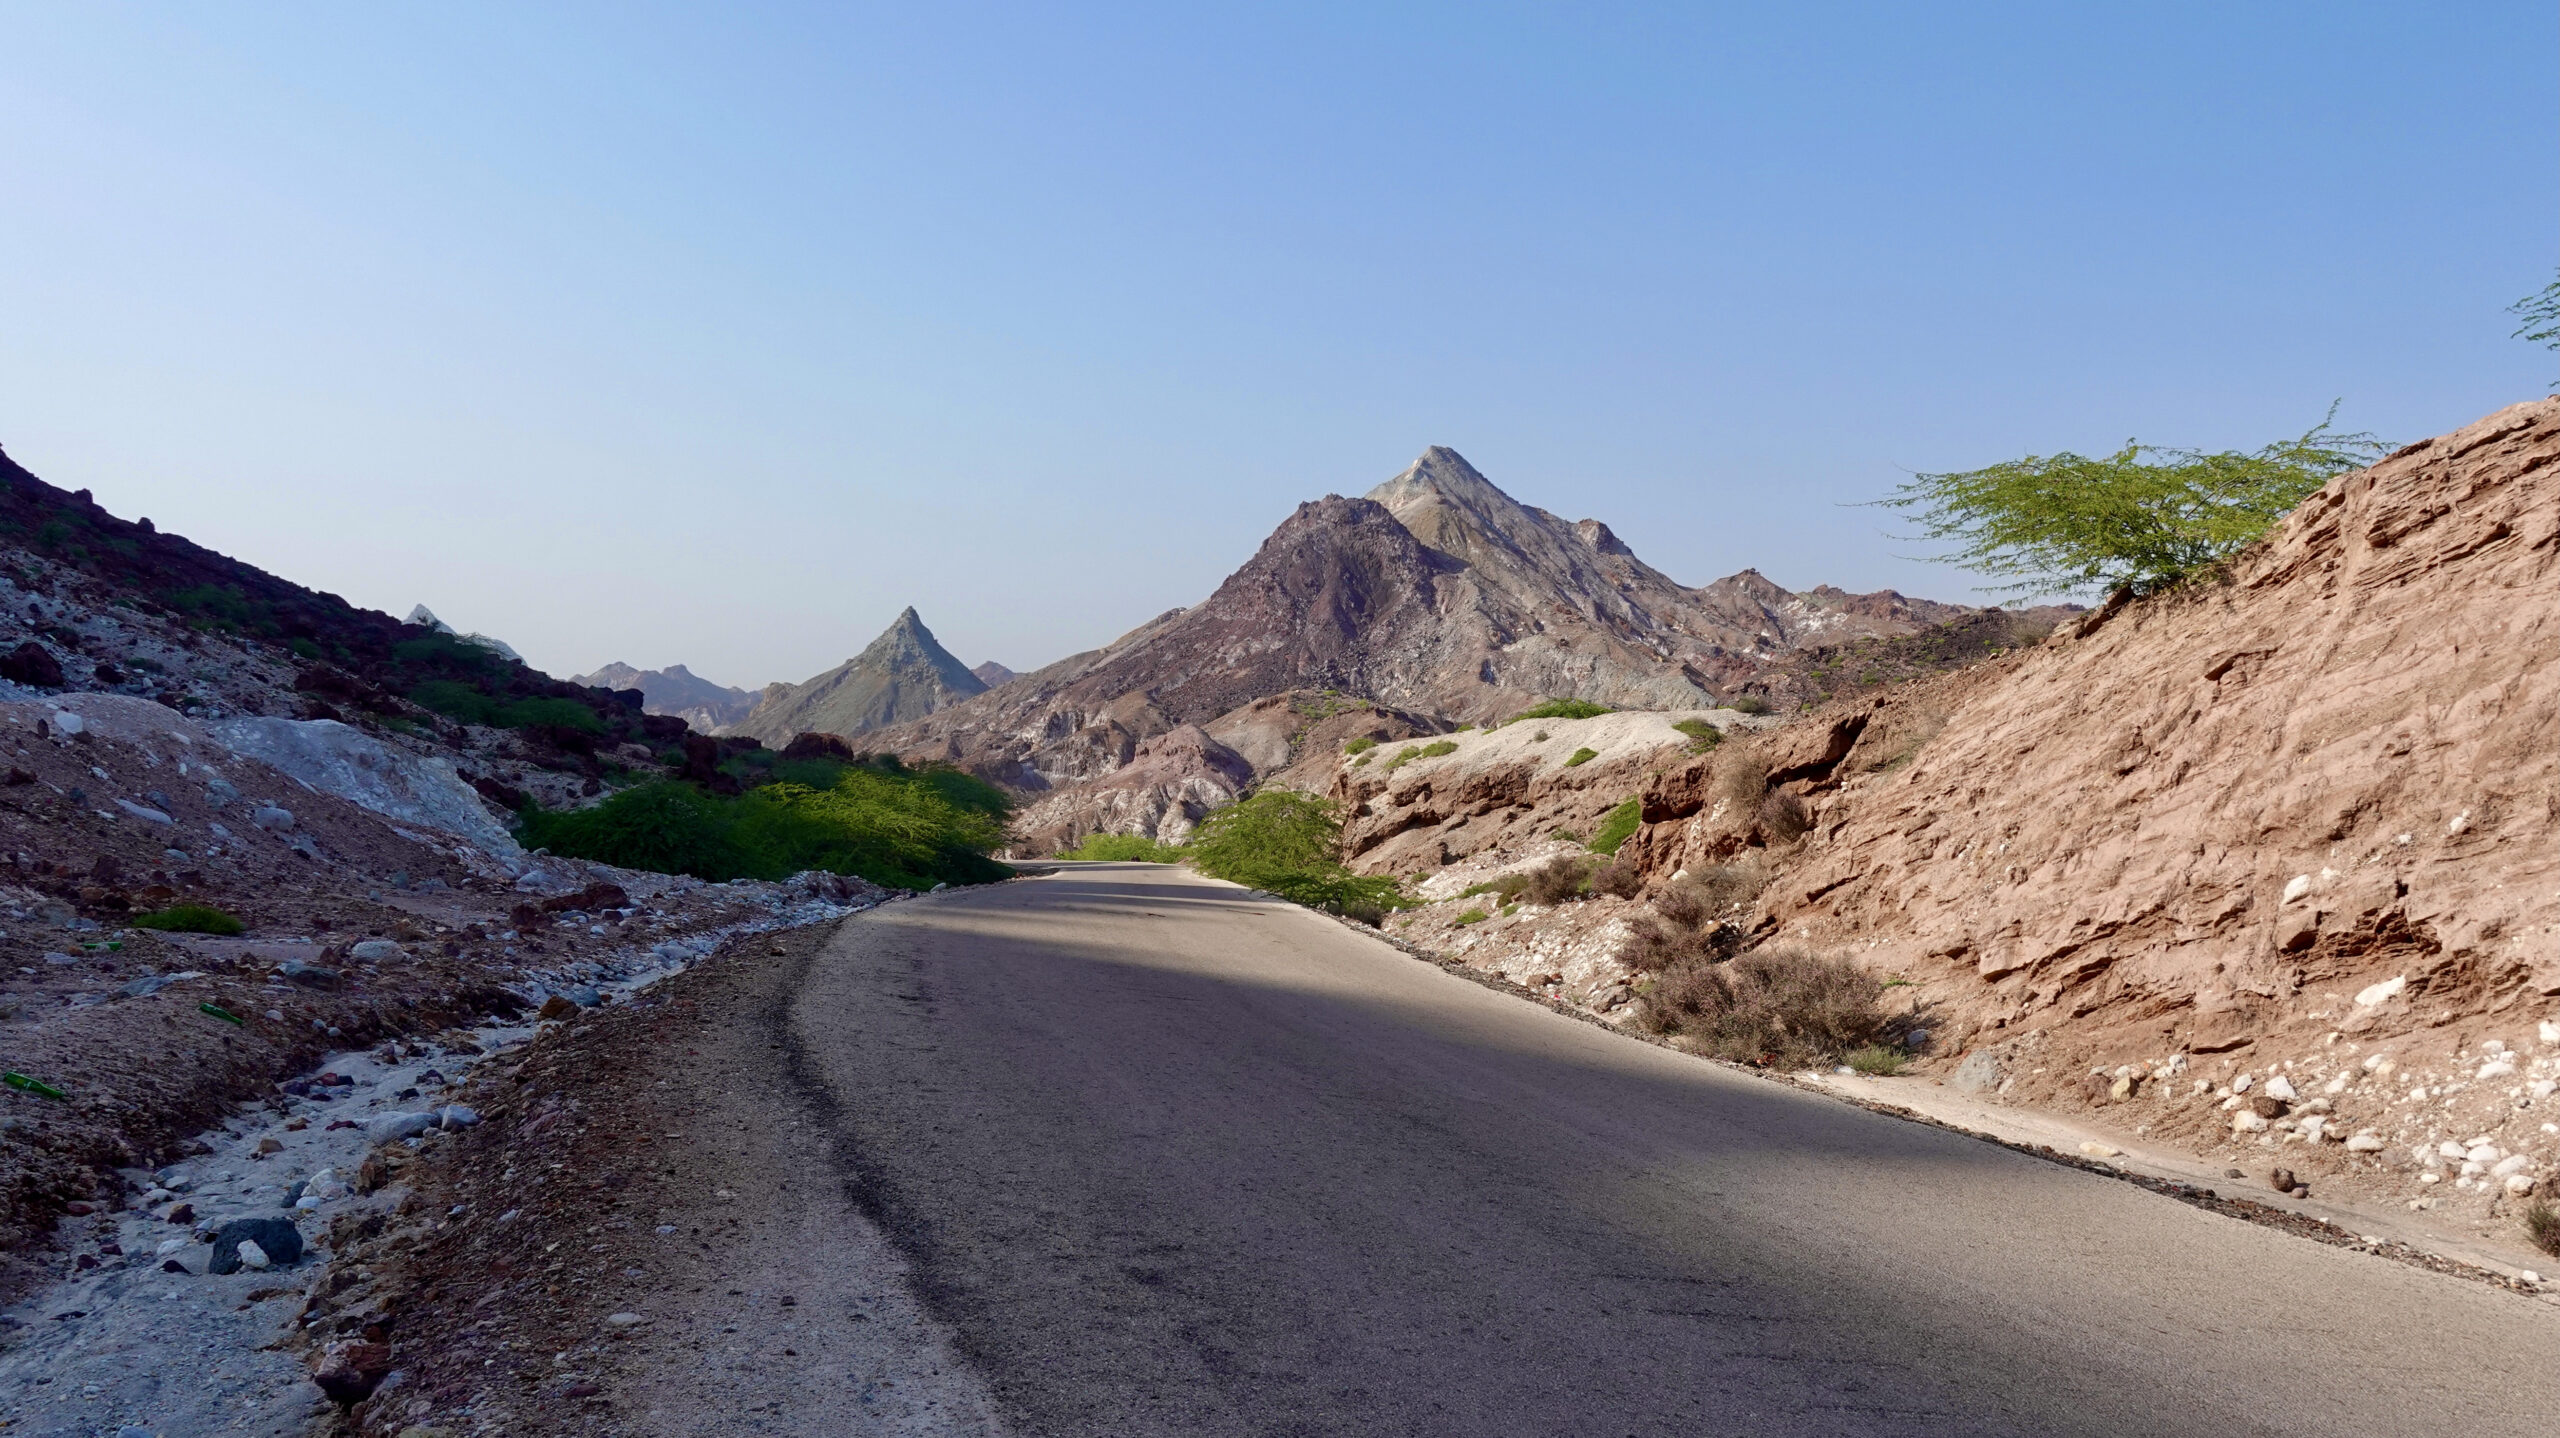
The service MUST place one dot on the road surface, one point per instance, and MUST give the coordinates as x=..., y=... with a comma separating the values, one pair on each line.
x=1170, y=1158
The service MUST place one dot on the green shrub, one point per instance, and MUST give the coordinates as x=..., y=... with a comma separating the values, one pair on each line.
x=1290, y=844
x=1620, y=823
x=444, y=651
x=190, y=919
x=1471, y=916
x=1361, y=745
x=1561, y=709
x=456, y=700
x=1438, y=747
x=906, y=828
x=1404, y=756
x=1749, y=704
x=1876, y=1060
x=1703, y=736
x=1581, y=756
x=1125, y=849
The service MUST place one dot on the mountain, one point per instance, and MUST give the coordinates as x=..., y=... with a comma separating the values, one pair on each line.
x=676, y=690
x=425, y=618
x=992, y=674
x=903, y=674
x=1436, y=594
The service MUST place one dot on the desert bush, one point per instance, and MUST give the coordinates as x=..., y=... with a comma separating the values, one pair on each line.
x=1618, y=878
x=461, y=701
x=1703, y=736
x=1561, y=709
x=1617, y=826
x=1693, y=919
x=189, y=919
x=1876, y=1060
x=1581, y=756
x=2542, y=1225
x=1360, y=745
x=1438, y=747
x=1504, y=886
x=901, y=827
x=1749, y=704
x=1556, y=881
x=1125, y=849
x=1778, y=1005
x=1782, y=816
x=1290, y=844
x=1471, y=916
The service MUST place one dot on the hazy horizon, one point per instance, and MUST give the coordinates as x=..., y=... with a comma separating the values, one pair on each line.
x=648, y=336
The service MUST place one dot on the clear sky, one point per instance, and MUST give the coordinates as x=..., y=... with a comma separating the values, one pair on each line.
x=717, y=333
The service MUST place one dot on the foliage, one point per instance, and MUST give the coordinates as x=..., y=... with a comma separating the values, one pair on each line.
x=1360, y=745
x=2141, y=518
x=1876, y=1060
x=1618, y=878
x=1438, y=747
x=1125, y=849
x=1581, y=756
x=457, y=700
x=190, y=919
x=1618, y=826
x=2541, y=315
x=1557, y=881
x=1749, y=704
x=1703, y=736
x=1290, y=844
x=1778, y=1005
x=1561, y=709
x=1471, y=916
x=438, y=650
x=906, y=828
x=2542, y=1225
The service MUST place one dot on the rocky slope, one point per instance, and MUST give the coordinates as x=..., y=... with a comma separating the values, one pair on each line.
x=992, y=674
x=2300, y=822
x=904, y=674
x=705, y=707
x=1436, y=596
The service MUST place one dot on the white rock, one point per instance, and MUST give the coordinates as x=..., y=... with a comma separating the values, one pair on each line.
x=375, y=951
x=2493, y=1046
x=622, y=1320
x=2495, y=1069
x=325, y=1184
x=168, y=1246
x=2548, y=1032
x=2480, y=1152
x=2472, y=1170
x=252, y=1256
x=2282, y=1088
x=2241, y=1084
x=2382, y=993
x=144, y=812
x=2099, y=1150
x=2312, y=1127
x=2247, y=1121
x=2450, y=1149
x=2519, y=1184
x=2542, y=1088
x=2366, y=1142
x=2512, y=1163
x=2299, y=886
x=273, y=816
x=390, y=1127
x=2430, y=1178
x=2335, y=1085
x=2528, y=1275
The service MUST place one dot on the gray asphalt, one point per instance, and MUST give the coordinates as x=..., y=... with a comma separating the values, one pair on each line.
x=1173, y=1159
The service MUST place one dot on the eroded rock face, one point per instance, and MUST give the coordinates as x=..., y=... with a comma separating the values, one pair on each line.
x=1168, y=785
x=2221, y=810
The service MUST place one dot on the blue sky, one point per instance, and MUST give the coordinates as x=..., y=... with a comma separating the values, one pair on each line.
x=717, y=334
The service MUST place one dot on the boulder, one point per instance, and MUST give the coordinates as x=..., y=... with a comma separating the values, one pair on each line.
x=278, y=1241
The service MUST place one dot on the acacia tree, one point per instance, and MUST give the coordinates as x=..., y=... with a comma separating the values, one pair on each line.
x=2541, y=316
x=2139, y=519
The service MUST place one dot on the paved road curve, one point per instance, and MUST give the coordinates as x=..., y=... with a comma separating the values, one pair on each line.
x=1174, y=1160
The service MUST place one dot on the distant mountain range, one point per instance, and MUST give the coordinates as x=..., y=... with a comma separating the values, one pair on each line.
x=903, y=674
x=678, y=691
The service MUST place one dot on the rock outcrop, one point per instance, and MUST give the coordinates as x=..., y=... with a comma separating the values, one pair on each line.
x=904, y=674
x=2322, y=792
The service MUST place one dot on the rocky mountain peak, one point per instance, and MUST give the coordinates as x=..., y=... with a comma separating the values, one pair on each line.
x=903, y=674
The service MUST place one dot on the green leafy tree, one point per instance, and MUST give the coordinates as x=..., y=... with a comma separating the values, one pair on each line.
x=2141, y=518
x=2541, y=316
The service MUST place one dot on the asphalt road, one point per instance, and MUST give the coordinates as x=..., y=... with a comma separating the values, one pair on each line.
x=1171, y=1159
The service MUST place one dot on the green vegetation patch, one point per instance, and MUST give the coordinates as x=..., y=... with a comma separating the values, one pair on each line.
x=1876, y=1060
x=1360, y=745
x=1615, y=828
x=461, y=701
x=1290, y=844
x=905, y=828
x=1581, y=756
x=190, y=919
x=1562, y=709
x=1471, y=916
x=1703, y=736
x=1126, y=849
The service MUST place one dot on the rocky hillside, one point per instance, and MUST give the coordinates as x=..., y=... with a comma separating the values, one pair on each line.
x=676, y=691
x=1436, y=597
x=992, y=674
x=904, y=674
